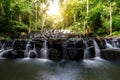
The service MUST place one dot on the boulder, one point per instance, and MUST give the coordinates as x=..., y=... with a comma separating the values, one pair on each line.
x=10, y=54
x=32, y=54
x=13, y=54
x=72, y=50
x=55, y=55
x=20, y=54
x=110, y=54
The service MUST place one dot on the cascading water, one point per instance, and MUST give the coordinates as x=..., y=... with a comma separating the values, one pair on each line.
x=108, y=45
x=115, y=43
x=86, y=50
x=32, y=53
x=97, y=49
x=40, y=69
x=13, y=43
x=5, y=49
x=44, y=50
x=3, y=46
x=2, y=49
x=28, y=45
x=69, y=49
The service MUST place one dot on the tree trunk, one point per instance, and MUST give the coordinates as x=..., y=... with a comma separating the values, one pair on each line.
x=74, y=18
x=110, y=19
x=36, y=17
x=87, y=27
x=20, y=18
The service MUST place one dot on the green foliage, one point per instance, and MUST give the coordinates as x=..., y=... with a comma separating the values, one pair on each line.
x=6, y=38
x=95, y=17
x=13, y=27
x=116, y=33
x=76, y=27
x=19, y=15
x=18, y=26
x=116, y=22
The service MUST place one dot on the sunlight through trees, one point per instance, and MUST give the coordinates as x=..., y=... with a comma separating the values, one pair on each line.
x=82, y=16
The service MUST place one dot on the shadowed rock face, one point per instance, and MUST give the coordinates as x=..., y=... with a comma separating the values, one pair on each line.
x=110, y=54
x=13, y=54
x=10, y=54
x=58, y=49
x=72, y=50
x=55, y=54
x=32, y=54
x=55, y=50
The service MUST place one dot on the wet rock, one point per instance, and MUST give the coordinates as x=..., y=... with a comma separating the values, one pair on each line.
x=91, y=48
x=100, y=42
x=10, y=54
x=92, y=51
x=32, y=54
x=79, y=44
x=55, y=50
x=20, y=54
x=72, y=53
x=38, y=51
x=55, y=55
x=20, y=44
x=13, y=54
x=110, y=54
x=72, y=50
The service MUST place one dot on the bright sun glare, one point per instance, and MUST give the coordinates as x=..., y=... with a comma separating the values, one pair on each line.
x=53, y=8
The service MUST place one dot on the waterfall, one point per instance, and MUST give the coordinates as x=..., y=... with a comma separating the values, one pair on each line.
x=108, y=45
x=13, y=43
x=5, y=51
x=86, y=50
x=115, y=43
x=32, y=53
x=28, y=45
x=44, y=50
x=3, y=47
x=97, y=49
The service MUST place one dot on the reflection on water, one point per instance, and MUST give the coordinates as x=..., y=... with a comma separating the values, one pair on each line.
x=42, y=69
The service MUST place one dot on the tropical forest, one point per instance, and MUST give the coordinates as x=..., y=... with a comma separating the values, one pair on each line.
x=59, y=39
x=98, y=17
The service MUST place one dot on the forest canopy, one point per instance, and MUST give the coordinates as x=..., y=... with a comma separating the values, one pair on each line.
x=101, y=17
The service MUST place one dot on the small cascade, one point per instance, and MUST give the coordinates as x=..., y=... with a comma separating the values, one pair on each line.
x=108, y=45
x=97, y=49
x=28, y=45
x=32, y=53
x=86, y=50
x=44, y=50
x=13, y=43
x=115, y=43
x=5, y=51
x=3, y=47
x=67, y=49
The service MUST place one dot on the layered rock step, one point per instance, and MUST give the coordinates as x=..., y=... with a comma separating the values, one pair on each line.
x=110, y=54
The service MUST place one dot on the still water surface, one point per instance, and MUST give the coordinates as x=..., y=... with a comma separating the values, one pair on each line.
x=42, y=69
